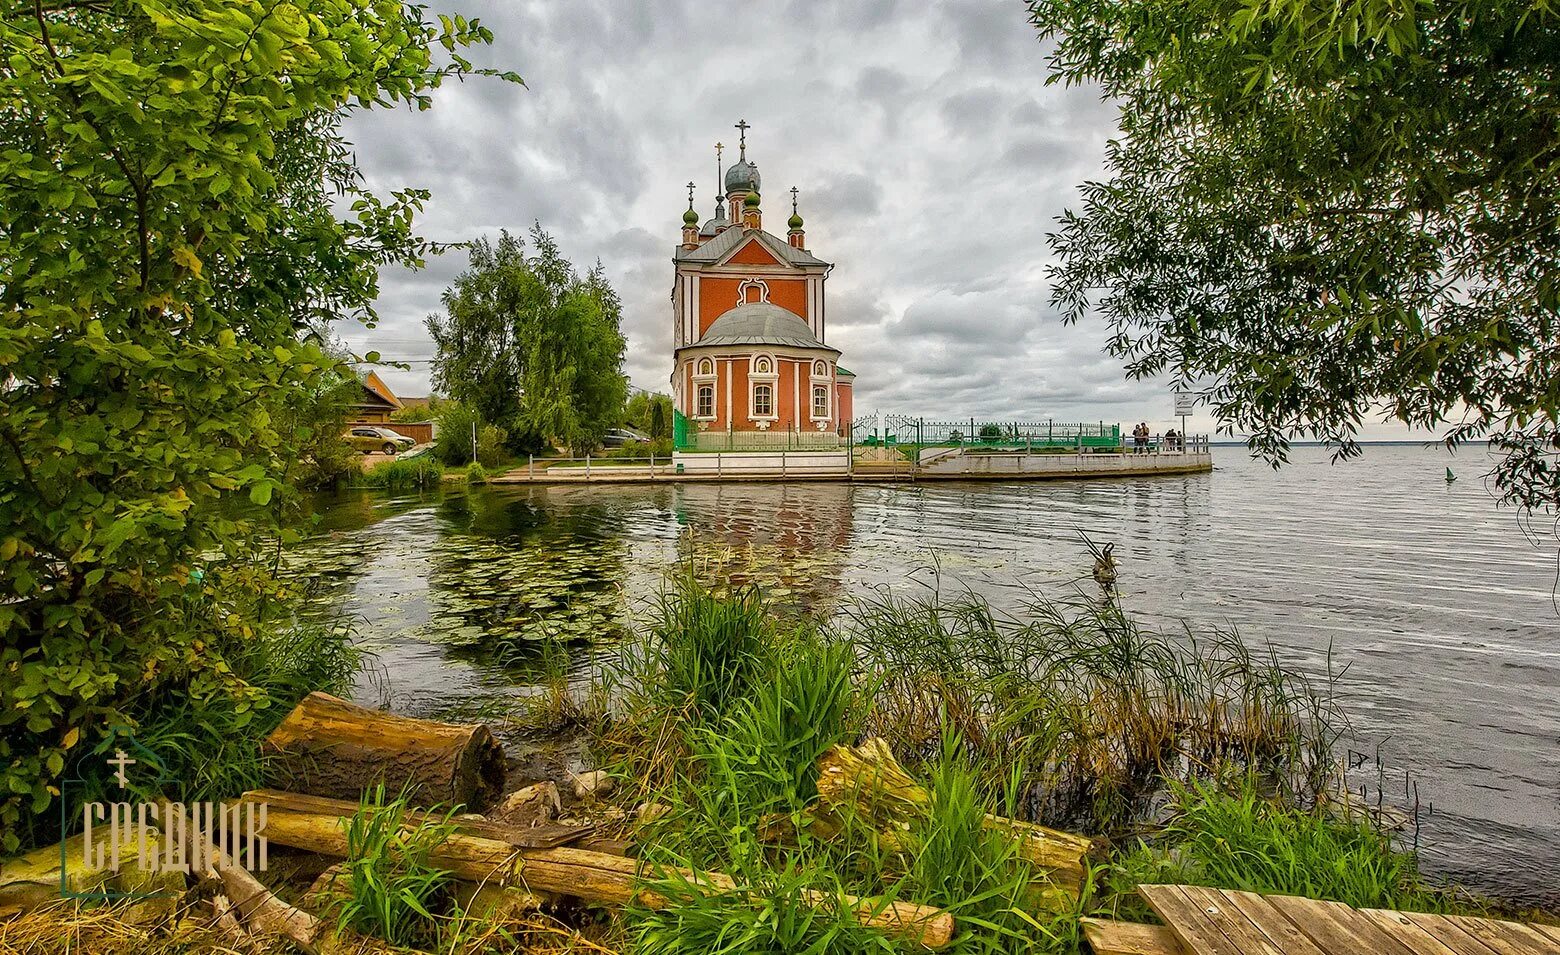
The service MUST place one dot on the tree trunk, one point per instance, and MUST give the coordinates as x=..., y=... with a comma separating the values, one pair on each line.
x=869, y=778
x=320, y=826
x=333, y=748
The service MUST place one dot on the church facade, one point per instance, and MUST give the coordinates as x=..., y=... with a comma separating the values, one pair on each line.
x=750, y=326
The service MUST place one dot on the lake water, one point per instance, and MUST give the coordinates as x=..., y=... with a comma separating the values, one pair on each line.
x=1434, y=609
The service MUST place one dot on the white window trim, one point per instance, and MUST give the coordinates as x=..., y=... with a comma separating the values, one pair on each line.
x=828, y=401
x=763, y=290
x=770, y=375
x=753, y=386
x=703, y=381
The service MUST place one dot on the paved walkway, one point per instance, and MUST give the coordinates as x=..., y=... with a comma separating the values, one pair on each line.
x=1202, y=921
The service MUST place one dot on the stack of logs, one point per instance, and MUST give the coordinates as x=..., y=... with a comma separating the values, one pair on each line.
x=328, y=752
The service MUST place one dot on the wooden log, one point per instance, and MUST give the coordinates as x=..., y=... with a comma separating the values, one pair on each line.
x=869, y=778
x=36, y=878
x=333, y=748
x=319, y=825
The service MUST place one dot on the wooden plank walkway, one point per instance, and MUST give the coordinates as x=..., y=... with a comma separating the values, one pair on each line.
x=1203, y=921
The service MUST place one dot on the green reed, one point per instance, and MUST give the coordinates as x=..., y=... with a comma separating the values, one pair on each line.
x=399, y=474
x=1092, y=710
x=393, y=890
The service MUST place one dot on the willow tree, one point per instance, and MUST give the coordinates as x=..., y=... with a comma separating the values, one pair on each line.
x=169, y=175
x=1320, y=213
x=531, y=345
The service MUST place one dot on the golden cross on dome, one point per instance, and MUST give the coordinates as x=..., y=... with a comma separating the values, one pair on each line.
x=742, y=143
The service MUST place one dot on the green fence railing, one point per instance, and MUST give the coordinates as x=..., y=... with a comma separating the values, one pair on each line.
x=975, y=432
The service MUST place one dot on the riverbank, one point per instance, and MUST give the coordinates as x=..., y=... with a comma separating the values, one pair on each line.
x=1421, y=606
x=878, y=466
x=709, y=747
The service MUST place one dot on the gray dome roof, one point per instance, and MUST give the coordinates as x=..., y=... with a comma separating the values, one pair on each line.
x=713, y=225
x=742, y=177
x=761, y=323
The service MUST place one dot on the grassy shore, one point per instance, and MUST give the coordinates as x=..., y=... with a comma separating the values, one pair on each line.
x=1188, y=756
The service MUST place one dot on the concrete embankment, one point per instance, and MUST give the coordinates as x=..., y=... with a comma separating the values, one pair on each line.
x=843, y=466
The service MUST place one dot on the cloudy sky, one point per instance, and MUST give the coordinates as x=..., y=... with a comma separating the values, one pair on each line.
x=931, y=159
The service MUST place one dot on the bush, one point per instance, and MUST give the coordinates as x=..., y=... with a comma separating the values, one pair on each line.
x=641, y=449
x=208, y=743
x=454, y=442
x=400, y=474
x=476, y=473
x=990, y=431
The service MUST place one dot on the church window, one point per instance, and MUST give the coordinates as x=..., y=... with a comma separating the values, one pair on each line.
x=820, y=401
x=820, y=370
x=763, y=401
x=706, y=367
x=705, y=405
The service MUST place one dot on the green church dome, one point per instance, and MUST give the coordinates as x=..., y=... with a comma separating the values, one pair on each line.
x=795, y=221
x=690, y=217
x=751, y=201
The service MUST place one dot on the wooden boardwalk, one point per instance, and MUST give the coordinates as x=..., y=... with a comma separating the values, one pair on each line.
x=1202, y=921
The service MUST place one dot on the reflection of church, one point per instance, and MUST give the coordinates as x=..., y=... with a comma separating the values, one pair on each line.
x=748, y=308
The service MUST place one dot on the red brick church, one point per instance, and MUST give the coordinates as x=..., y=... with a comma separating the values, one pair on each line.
x=750, y=348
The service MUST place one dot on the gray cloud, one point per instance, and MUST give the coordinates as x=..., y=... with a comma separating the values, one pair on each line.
x=931, y=157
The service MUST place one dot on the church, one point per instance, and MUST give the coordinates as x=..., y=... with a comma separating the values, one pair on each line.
x=752, y=366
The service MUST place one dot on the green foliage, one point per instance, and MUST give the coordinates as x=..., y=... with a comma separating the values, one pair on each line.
x=455, y=429
x=766, y=751
x=641, y=449
x=169, y=176
x=990, y=431
x=1322, y=213
x=209, y=746
x=399, y=474
x=709, y=649
x=973, y=872
x=476, y=473
x=314, y=418
x=420, y=411
x=650, y=413
x=1239, y=840
x=1091, y=711
x=994, y=716
x=776, y=913
x=393, y=887
x=530, y=345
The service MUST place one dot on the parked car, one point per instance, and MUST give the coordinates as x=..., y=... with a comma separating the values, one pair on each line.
x=370, y=439
x=618, y=437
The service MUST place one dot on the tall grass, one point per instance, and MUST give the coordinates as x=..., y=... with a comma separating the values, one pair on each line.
x=1066, y=714
x=1234, y=838
x=393, y=890
x=1092, y=710
x=399, y=474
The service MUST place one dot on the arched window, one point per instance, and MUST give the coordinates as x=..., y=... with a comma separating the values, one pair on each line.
x=706, y=367
x=820, y=369
x=763, y=401
x=820, y=401
x=763, y=365
x=704, y=406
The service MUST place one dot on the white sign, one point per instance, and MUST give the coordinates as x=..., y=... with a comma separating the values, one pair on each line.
x=1185, y=401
